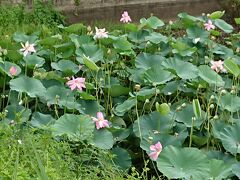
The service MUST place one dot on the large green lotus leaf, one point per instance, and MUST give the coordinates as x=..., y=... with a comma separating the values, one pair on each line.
x=230, y=138
x=146, y=61
x=217, y=128
x=145, y=93
x=40, y=120
x=219, y=169
x=49, y=41
x=157, y=75
x=236, y=169
x=232, y=67
x=183, y=49
x=33, y=87
x=121, y=158
x=222, y=50
x=156, y=38
x=91, y=51
x=210, y=76
x=153, y=123
x=152, y=22
x=164, y=139
x=220, y=155
x=76, y=28
x=103, y=139
x=121, y=109
x=34, y=60
x=229, y=102
x=186, y=163
x=118, y=90
x=79, y=40
x=139, y=36
x=17, y=113
x=185, y=116
x=5, y=68
x=89, y=107
x=76, y=127
x=21, y=37
x=227, y=28
x=90, y=64
x=181, y=67
x=217, y=14
x=65, y=50
x=196, y=32
x=137, y=76
x=119, y=134
x=61, y=96
x=66, y=66
x=122, y=44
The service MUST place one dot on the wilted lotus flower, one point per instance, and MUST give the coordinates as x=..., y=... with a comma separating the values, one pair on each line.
x=125, y=17
x=13, y=70
x=100, y=33
x=218, y=66
x=77, y=83
x=27, y=48
x=100, y=121
x=209, y=25
x=156, y=149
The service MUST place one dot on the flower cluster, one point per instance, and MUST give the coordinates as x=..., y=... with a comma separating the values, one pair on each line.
x=125, y=17
x=100, y=121
x=27, y=48
x=78, y=83
x=155, y=151
x=218, y=66
x=209, y=25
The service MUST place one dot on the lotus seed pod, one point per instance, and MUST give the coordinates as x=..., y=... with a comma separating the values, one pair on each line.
x=183, y=105
x=157, y=91
x=5, y=52
x=137, y=87
x=211, y=106
x=89, y=28
x=233, y=91
x=179, y=108
x=147, y=101
x=215, y=117
x=163, y=108
x=212, y=97
x=109, y=51
x=223, y=91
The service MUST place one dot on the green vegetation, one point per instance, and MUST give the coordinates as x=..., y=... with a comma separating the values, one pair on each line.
x=146, y=101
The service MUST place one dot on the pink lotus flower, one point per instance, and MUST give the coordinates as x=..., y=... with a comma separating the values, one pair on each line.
x=27, y=48
x=156, y=149
x=209, y=25
x=13, y=71
x=100, y=33
x=125, y=17
x=77, y=83
x=100, y=121
x=218, y=66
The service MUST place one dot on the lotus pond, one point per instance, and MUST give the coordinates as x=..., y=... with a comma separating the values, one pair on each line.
x=147, y=101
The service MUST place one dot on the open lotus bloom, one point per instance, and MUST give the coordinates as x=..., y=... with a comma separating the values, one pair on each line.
x=100, y=33
x=125, y=17
x=218, y=66
x=155, y=151
x=209, y=25
x=27, y=48
x=78, y=83
x=100, y=121
x=13, y=70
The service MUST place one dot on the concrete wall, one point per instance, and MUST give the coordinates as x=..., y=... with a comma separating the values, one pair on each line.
x=111, y=10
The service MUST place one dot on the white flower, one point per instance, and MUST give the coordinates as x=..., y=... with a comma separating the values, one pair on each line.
x=27, y=48
x=100, y=33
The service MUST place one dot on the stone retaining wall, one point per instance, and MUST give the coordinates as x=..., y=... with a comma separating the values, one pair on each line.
x=91, y=10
